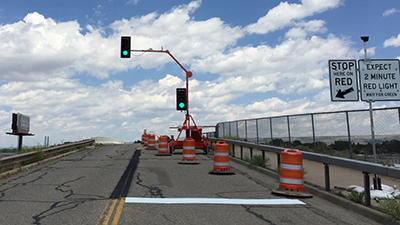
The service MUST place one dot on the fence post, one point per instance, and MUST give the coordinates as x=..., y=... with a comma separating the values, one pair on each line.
x=327, y=178
x=288, y=128
x=237, y=130
x=367, y=193
x=245, y=128
x=263, y=158
x=348, y=134
x=257, y=130
x=313, y=132
x=270, y=128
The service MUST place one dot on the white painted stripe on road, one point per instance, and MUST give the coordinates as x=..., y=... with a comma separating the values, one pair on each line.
x=214, y=201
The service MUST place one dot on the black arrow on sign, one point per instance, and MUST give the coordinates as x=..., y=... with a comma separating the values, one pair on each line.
x=341, y=93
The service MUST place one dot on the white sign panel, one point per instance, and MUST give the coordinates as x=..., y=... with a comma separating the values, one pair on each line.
x=23, y=122
x=379, y=79
x=343, y=80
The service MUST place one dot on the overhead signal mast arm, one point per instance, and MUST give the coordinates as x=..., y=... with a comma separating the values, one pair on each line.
x=188, y=73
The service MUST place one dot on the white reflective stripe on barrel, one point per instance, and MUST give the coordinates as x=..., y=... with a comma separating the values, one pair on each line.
x=163, y=143
x=188, y=147
x=220, y=164
x=291, y=167
x=185, y=155
x=290, y=181
x=221, y=153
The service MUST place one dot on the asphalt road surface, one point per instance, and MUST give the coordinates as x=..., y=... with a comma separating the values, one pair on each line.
x=103, y=186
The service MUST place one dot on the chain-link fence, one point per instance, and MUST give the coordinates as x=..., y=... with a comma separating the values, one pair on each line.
x=344, y=134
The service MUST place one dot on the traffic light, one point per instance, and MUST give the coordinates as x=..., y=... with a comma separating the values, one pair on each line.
x=181, y=99
x=125, y=47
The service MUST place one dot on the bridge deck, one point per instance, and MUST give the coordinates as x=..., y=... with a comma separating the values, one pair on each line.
x=102, y=185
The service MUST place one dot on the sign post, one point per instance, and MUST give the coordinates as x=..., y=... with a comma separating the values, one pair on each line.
x=343, y=80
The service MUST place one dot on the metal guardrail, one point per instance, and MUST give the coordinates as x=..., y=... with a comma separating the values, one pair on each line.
x=10, y=160
x=365, y=167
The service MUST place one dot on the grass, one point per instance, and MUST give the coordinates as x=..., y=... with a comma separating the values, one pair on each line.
x=391, y=207
x=39, y=156
x=255, y=160
x=231, y=137
x=356, y=197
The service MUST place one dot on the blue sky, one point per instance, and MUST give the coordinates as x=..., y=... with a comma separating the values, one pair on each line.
x=59, y=61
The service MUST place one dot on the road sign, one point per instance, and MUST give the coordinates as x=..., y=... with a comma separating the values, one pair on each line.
x=379, y=79
x=343, y=80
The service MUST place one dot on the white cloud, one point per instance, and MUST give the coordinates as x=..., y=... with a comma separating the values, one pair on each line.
x=176, y=31
x=296, y=65
x=393, y=41
x=39, y=48
x=302, y=29
x=286, y=13
x=389, y=12
x=132, y=2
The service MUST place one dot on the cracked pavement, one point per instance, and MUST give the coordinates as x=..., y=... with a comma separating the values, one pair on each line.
x=69, y=190
x=76, y=189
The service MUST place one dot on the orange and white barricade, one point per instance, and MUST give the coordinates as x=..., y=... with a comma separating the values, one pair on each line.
x=189, y=152
x=291, y=174
x=151, y=145
x=221, y=159
x=163, y=146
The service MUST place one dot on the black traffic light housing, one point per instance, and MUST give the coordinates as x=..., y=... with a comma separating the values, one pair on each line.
x=181, y=99
x=125, y=47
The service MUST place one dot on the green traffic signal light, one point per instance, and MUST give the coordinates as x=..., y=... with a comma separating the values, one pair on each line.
x=181, y=99
x=125, y=47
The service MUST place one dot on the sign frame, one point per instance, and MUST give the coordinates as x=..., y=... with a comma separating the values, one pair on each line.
x=20, y=123
x=378, y=85
x=340, y=92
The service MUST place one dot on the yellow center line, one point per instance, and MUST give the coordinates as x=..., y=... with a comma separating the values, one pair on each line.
x=118, y=212
x=107, y=212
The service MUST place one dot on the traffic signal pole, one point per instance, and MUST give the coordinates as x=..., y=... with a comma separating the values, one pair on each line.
x=186, y=124
x=188, y=73
x=126, y=53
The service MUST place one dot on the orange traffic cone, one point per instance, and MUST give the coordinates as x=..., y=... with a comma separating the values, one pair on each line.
x=221, y=159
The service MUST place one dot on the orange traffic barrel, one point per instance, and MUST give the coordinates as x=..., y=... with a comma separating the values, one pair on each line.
x=163, y=146
x=291, y=171
x=189, y=152
x=151, y=145
x=291, y=174
x=145, y=140
x=221, y=159
x=143, y=135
